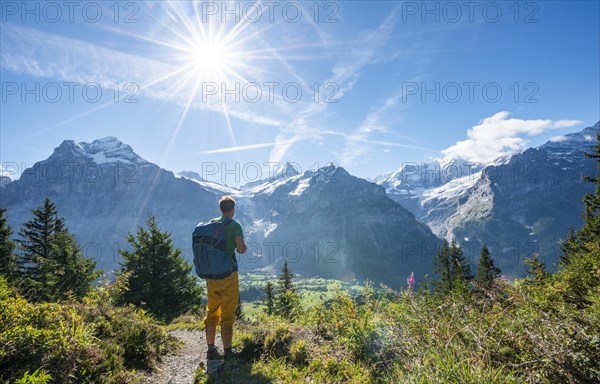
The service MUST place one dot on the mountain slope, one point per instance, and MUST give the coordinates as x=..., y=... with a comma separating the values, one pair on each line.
x=343, y=227
x=105, y=190
x=327, y=222
x=518, y=206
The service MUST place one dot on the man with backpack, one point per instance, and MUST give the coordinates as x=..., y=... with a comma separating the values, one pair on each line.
x=223, y=292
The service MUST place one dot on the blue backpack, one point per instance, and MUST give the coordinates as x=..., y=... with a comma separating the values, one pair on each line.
x=208, y=243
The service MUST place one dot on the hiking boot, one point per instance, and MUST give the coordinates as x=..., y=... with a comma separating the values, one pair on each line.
x=213, y=354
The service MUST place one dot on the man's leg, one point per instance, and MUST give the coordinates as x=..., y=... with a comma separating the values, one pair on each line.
x=213, y=316
x=229, y=301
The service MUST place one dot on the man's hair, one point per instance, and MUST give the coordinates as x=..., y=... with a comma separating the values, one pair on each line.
x=227, y=203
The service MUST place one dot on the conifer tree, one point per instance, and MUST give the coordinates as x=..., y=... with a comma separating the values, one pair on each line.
x=537, y=269
x=269, y=298
x=73, y=273
x=287, y=300
x=590, y=232
x=285, y=279
x=35, y=245
x=568, y=247
x=441, y=266
x=158, y=277
x=50, y=265
x=580, y=261
x=8, y=262
x=459, y=266
x=486, y=269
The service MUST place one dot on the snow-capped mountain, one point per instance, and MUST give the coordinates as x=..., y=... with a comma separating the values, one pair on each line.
x=519, y=205
x=105, y=190
x=341, y=226
x=324, y=222
x=414, y=182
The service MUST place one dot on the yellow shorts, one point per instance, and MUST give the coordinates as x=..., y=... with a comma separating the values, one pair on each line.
x=223, y=297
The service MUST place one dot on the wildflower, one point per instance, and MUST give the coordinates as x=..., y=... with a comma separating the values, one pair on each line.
x=410, y=280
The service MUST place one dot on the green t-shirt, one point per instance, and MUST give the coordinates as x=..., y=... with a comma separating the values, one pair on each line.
x=232, y=230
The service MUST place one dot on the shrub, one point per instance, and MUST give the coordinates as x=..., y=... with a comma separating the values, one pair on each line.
x=85, y=342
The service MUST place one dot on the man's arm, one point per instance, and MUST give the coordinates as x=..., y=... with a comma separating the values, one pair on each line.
x=240, y=245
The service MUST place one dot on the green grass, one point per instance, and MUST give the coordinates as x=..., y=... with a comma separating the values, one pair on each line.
x=513, y=333
x=313, y=291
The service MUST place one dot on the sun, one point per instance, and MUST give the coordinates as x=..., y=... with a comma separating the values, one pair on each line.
x=209, y=56
x=210, y=59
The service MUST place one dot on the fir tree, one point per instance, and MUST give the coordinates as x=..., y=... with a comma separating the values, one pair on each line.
x=35, y=245
x=537, y=269
x=568, y=247
x=452, y=267
x=158, y=277
x=73, y=273
x=287, y=300
x=459, y=266
x=50, y=265
x=590, y=232
x=486, y=270
x=441, y=266
x=269, y=298
x=8, y=262
x=581, y=250
x=285, y=279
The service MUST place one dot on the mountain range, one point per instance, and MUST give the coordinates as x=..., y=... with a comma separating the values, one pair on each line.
x=324, y=222
x=518, y=205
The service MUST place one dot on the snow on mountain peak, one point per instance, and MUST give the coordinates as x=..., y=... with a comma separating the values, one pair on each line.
x=287, y=170
x=572, y=143
x=104, y=150
x=327, y=172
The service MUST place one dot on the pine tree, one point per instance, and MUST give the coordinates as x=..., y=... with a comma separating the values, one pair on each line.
x=72, y=273
x=8, y=262
x=441, y=266
x=285, y=279
x=158, y=277
x=486, y=270
x=35, y=245
x=568, y=247
x=578, y=278
x=269, y=298
x=537, y=269
x=590, y=232
x=50, y=265
x=287, y=300
x=459, y=266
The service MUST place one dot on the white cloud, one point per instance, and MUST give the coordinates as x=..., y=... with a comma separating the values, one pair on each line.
x=39, y=54
x=498, y=136
x=558, y=139
x=364, y=49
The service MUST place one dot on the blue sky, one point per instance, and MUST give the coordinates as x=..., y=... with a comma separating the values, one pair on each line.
x=366, y=85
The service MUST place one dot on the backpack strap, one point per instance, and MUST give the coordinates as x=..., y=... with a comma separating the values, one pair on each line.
x=224, y=222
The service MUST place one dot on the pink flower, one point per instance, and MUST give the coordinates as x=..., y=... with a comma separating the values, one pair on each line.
x=410, y=280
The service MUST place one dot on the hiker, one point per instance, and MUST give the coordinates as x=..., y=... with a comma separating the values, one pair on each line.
x=223, y=293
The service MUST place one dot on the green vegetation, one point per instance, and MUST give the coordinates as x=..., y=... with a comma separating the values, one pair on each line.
x=541, y=329
x=8, y=260
x=158, y=277
x=56, y=327
x=88, y=341
x=487, y=272
x=49, y=266
x=460, y=329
